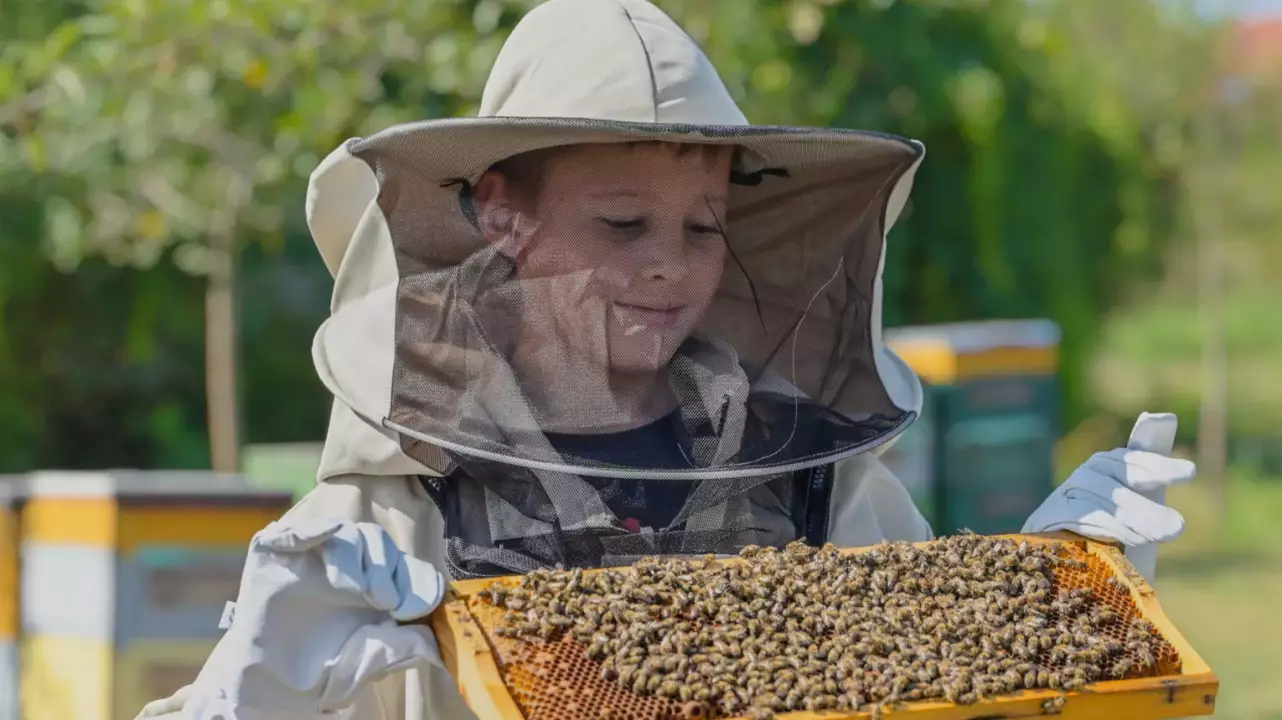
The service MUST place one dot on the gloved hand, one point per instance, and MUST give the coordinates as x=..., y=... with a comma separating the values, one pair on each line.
x=315, y=620
x=1118, y=495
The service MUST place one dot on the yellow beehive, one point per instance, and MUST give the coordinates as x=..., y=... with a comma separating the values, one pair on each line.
x=10, y=501
x=124, y=576
x=509, y=678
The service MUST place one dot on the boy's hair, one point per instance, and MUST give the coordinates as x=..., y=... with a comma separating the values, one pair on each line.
x=524, y=172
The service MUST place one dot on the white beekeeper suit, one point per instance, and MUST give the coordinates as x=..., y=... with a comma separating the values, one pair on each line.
x=313, y=633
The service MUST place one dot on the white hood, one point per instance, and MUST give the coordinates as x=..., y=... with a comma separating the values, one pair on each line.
x=354, y=351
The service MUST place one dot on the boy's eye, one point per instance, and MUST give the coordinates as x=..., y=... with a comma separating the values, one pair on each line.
x=701, y=229
x=623, y=223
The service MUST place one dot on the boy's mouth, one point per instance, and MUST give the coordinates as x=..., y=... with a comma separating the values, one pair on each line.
x=645, y=315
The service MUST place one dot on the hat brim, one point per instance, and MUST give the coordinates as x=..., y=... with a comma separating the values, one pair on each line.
x=465, y=147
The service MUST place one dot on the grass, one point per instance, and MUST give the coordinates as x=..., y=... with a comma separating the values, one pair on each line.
x=286, y=467
x=1221, y=583
x=1149, y=356
x=1222, y=586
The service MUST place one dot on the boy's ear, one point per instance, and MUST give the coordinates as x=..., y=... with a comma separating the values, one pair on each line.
x=500, y=222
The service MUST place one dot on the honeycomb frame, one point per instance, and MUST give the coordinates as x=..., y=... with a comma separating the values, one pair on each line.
x=506, y=678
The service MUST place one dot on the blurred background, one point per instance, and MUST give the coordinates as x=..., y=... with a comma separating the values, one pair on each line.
x=1109, y=166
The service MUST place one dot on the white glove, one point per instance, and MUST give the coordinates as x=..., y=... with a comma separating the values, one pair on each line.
x=315, y=620
x=1118, y=495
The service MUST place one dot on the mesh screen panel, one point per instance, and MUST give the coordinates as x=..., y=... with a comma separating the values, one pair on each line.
x=600, y=288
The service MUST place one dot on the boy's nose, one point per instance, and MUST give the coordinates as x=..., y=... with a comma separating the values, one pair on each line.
x=672, y=270
x=664, y=256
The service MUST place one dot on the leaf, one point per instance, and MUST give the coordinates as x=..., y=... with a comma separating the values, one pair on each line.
x=152, y=225
x=193, y=259
x=255, y=74
x=771, y=76
x=64, y=233
x=62, y=39
x=33, y=152
x=805, y=21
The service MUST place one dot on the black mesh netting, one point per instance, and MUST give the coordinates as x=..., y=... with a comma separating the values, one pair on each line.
x=489, y=533
x=622, y=349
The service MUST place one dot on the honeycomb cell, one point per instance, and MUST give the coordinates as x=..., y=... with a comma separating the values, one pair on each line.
x=1116, y=597
x=556, y=680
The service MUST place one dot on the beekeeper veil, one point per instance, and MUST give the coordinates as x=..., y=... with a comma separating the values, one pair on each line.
x=613, y=317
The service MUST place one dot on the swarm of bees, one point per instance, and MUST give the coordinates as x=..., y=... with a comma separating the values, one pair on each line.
x=802, y=628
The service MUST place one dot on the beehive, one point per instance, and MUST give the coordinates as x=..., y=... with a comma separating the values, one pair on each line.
x=124, y=576
x=984, y=457
x=10, y=502
x=506, y=678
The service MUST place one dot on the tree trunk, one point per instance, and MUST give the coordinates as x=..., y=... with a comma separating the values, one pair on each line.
x=220, y=369
x=1213, y=417
x=221, y=345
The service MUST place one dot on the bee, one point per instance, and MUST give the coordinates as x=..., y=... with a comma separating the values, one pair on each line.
x=639, y=680
x=794, y=699
x=1146, y=657
x=731, y=704
x=1054, y=705
x=1091, y=655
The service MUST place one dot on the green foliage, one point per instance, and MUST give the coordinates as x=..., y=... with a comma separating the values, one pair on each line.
x=127, y=126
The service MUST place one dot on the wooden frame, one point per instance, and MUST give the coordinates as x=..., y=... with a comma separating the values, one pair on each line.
x=1192, y=692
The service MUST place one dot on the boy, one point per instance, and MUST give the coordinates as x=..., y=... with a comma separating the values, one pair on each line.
x=607, y=319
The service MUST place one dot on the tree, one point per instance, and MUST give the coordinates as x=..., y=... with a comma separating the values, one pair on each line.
x=196, y=140
x=1212, y=353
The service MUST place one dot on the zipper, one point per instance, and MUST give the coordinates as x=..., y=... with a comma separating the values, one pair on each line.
x=817, y=497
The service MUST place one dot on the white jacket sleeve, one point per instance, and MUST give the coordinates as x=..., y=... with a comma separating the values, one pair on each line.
x=382, y=700
x=399, y=505
x=869, y=506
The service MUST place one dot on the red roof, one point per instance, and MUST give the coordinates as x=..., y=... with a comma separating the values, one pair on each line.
x=1258, y=50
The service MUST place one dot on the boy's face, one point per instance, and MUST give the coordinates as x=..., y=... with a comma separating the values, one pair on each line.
x=618, y=249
